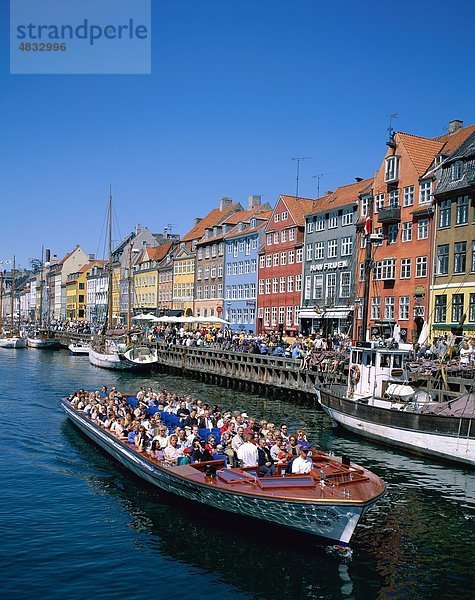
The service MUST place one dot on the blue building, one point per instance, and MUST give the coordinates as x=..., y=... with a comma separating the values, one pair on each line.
x=240, y=270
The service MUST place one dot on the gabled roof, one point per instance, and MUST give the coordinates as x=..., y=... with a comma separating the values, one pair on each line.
x=454, y=140
x=69, y=254
x=233, y=220
x=85, y=268
x=343, y=195
x=215, y=217
x=298, y=207
x=263, y=216
x=421, y=151
x=159, y=252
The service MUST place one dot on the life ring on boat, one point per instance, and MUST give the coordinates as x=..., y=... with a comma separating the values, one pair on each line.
x=355, y=374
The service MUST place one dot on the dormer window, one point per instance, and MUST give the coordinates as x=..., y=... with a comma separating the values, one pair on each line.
x=392, y=169
x=253, y=223
x=457, y=170
x=438, y=160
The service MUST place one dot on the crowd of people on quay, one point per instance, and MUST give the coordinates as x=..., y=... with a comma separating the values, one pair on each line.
x=182, y=429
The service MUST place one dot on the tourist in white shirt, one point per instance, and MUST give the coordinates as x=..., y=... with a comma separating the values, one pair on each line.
x=302, y=464
x=247, y=453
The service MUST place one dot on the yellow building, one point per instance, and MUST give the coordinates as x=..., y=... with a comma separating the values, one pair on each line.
x=146, y=279
x=76, y=287
x=184, y=279
x=116, y=292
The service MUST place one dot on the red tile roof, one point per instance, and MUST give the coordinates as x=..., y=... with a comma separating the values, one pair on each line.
x=422, y=151
x=454, y=140
x=215, y=217
x=345, y=194
x=298, y=207
x=159, y=252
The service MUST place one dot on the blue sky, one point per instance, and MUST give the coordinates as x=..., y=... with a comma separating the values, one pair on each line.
x=237, y=89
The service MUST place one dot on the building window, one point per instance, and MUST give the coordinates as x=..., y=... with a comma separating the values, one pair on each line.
x=331, y=288
x=291, y=257
x=346, y=246
x=389, y=308
x=375, y=308
x=268, y=284
x=405, y=268
x=404, y=308
x=333, y=220
x=261, y=286
x=461, y=214
x=296, y=315
x=299, y=255
x=392, y=169
x=292, y=234
x=457, y=308
x=472, y=269
x=394, y=198
x=440, y=308
x=347, y=217
x=444, y=215
x=457, y=170
x=269, y=239
x=298, y=283
x=319, y=250
x=285, y=215
x=276, y=237
x=309, y=226
x=283, y=236
x=275, y=260
x=471, y=308
x=269, y=260
x=283, y=258
x=276, y=218
x=345, y=284
x=423, y=229
x=317, y=287
x=253, y=265
x=364, y=206
x=308, y=286
x=274, y=316
x=262, y=261
x=275, y=284
x=460, y=254
x=267, y=315
x=281, y=314
x=392, y=233
x=332, y=248
x=288, y=320
x=378, y=202
x=421, y=266
x=406, y=235
x=408, y=196
x=290, y=283
x=443, y=259
x=425, y=191
x=320, y=223
x=282, y=285
x=361, y=271
x=385, y=269
x=309, y=251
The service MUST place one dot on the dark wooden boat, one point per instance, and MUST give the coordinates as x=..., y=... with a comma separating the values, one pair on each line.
x=327, y=503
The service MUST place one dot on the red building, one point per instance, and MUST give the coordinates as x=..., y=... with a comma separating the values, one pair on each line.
x=280, y=267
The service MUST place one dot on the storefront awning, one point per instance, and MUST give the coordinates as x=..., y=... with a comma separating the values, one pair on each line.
x=334, y=313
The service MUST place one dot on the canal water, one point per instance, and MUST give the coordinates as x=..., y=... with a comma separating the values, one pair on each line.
x=74, y=524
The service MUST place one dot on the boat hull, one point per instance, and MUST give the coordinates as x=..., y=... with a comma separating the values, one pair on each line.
x=335, y=522
x=142, y=356
x=78, y=350
x=13, y=342
x=43, y=343
x=449, y=438
x=111, y=361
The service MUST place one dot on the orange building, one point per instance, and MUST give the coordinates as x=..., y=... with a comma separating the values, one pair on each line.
x=401, y=210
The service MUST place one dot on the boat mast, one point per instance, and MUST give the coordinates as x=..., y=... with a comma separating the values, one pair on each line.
x=109, y=293
x=368, y=264
x=41, y=289
x=12, y=323
x=129, y=291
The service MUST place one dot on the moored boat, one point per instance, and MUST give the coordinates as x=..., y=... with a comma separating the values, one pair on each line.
x=78, y=348
x=328, y=502
x=142, y=356
x=13, y=341
x=43, y=340
x=376, y=402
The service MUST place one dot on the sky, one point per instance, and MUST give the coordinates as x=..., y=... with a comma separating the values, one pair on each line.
x=238, y=88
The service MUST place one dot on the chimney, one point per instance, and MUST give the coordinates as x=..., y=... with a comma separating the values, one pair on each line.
x=197, y=220
x=91, y=257
x=328, y=193
x=455, y=125
x=224, y=202
x=138, y=228
x=253, y=201
x=47, y=255
x=358, y=179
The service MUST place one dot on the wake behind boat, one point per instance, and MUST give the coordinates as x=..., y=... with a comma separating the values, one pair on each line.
x=327, y=502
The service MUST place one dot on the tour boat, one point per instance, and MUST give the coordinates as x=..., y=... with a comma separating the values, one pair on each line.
x=327, y=503
x=376, y=402
x=43, y=340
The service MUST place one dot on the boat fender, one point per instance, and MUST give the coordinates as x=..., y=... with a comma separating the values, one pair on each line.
x=355, y=373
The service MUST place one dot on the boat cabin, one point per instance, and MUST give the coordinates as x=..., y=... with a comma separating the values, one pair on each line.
x=373, y=367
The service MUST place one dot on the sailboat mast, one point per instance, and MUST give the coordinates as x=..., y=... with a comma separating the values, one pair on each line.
x=109, y=295
x=13, y=297
x=367, y=267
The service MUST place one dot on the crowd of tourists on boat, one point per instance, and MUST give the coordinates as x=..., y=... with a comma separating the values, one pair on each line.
x=178, y=430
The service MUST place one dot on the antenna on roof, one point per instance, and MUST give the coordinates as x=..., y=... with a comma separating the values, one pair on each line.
x=318, y=177
x=298, y=159
x=390, y=127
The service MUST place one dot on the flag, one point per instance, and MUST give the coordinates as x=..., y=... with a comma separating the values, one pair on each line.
x=367, y=225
